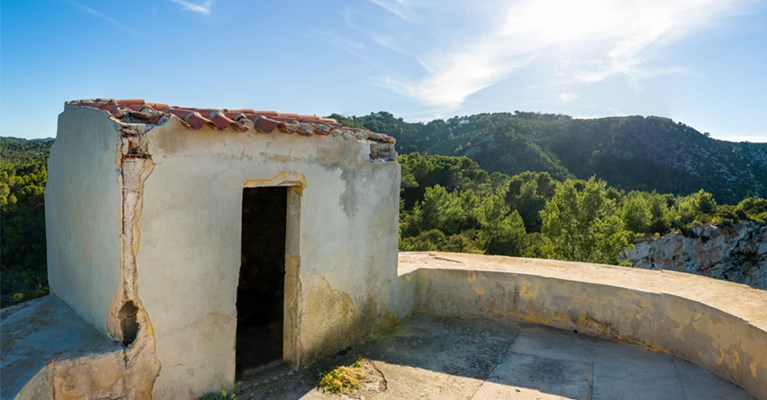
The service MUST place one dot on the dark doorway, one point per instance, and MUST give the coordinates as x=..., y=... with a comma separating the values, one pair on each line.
x=260, y=294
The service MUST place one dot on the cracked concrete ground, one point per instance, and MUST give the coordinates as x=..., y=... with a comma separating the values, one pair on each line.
x=455, y=358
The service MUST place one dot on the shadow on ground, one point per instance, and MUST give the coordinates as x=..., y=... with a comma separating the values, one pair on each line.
x=456, y=358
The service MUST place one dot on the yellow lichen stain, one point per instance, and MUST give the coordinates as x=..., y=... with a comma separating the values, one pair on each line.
x=643, y=304
x=388, y=319
x=136, y=240
x=479, y=290
x=295, y=180
x=526, y=293
x=292, y=259
x=529, y=317
x=734, y=360
x=697, y=316
x=331, y=316
x=409, y=277
x=150, y=327
x=752, y=366
x=560, y=318
x=472, y=278
x=721, y=356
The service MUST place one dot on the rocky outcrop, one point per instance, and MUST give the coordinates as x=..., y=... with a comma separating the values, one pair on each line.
x=736, y=253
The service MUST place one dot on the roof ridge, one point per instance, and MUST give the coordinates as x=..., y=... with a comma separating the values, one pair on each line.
x=140, y=111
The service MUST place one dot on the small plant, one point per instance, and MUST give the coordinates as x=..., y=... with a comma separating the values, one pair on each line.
x=223, y=395
x=342, y=379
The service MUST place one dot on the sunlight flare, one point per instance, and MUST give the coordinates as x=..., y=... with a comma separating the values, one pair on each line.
x=620, y=39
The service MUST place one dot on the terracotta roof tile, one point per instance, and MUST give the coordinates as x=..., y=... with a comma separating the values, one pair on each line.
x=265, y=124
x=129, y=102
x=139, y=111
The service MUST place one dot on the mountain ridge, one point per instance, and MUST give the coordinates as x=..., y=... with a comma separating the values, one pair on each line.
x=630, y=153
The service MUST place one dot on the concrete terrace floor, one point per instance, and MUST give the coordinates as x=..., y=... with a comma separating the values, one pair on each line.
x=457, y=358
x=33, y=332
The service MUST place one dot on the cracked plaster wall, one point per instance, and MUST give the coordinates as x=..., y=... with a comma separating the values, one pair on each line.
x=341, y=268
x=93, y=203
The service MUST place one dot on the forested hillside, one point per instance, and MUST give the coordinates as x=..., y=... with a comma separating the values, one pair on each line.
x=629, y=153
x=451, y=204
x=23, y=174
x=532, y=185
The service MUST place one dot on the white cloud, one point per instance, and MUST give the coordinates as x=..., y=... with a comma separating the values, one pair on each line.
x=568, y=97
x=467, y=46
x=200, y=8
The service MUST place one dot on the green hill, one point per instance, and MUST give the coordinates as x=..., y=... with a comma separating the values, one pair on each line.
x=630, y=153
x=23, y=174
x=452, y=203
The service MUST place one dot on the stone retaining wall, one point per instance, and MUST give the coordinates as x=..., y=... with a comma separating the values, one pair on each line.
x=717, y=325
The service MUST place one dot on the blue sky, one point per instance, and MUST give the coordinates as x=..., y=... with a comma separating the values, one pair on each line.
x=701, y=62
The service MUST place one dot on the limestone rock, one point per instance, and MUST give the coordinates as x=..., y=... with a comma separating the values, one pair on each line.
x=736, y=253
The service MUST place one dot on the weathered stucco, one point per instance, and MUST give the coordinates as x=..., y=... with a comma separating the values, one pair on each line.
x=342, y=245
x=94, y=198
x=145, y=220
x=83, y=214
x=717, y=325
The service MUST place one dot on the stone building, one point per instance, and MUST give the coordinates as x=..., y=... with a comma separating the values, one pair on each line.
x=212, y=241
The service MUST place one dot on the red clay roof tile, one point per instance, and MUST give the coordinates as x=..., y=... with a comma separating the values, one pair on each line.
x=129, y=102
x=139, y=111
x=158, y=106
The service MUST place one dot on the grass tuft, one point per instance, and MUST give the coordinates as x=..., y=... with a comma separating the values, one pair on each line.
x=342, y=379
x=223, y=395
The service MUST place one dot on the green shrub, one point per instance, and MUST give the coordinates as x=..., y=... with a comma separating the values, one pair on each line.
x=342, y=379
x=223, y=395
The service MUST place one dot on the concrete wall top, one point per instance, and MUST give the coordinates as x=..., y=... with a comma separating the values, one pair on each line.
x=718, y=325
x=738, y=300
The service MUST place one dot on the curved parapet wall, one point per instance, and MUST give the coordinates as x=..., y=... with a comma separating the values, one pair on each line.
x=717, y=325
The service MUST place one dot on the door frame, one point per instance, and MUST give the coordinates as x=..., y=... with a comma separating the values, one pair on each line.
x=292, y=302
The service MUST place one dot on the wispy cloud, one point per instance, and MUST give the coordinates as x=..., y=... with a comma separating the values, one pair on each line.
x=466, y=47
x=351, y=46
x=97, y=14
x=396, y=7
x=199, y=8
x=452, y=80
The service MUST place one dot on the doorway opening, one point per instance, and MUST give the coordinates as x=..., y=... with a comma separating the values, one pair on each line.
x=261, y=289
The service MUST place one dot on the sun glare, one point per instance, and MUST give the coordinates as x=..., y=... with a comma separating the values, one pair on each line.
x=557, y=21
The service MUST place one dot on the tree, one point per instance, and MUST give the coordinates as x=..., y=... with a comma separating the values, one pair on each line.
x=753, y=208
x=645, y=213
x=581, y=223
x=528, y=193
x=23, y=175
x=636, y=213
x=698, y=208
x=502, y=229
